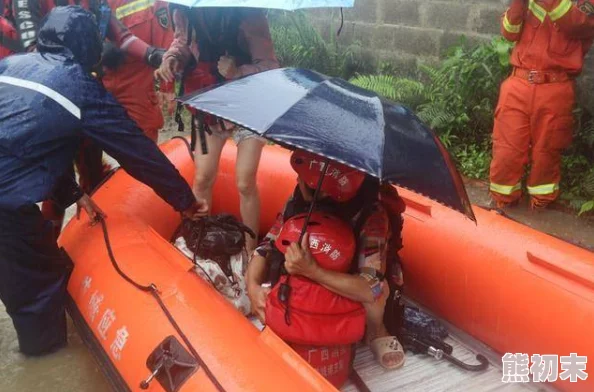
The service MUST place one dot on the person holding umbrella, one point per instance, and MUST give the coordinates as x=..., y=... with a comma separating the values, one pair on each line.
x=230, y=43
x=341, y=123
x=352, y=196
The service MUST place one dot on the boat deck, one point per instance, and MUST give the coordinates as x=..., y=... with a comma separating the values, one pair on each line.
x=423, y=373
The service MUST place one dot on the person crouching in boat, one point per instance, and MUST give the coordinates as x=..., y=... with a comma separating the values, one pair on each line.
x=48, y=102
x=352, y=196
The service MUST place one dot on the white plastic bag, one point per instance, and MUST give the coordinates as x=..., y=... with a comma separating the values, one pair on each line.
x=233, y=288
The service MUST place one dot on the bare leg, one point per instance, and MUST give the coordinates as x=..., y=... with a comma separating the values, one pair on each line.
x=249, y=152
x=207, y=166
x=375, y=327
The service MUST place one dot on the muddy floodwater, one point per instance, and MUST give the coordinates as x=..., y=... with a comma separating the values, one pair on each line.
x=73, y=368
x=69, y=370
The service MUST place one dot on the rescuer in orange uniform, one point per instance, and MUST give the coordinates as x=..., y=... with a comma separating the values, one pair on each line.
x=132, y=82
x=533, y=119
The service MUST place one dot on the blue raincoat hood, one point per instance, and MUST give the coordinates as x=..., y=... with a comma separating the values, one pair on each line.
x=73, y=32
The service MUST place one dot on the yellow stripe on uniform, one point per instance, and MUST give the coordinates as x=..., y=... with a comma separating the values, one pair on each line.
x=537, y=10
x=563, y=8
x=505, y=189
x=546, y=189
x=511, y=28
x=133, y=7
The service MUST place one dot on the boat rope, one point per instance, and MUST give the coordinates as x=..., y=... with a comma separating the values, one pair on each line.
x=190, y=150
x=152, y=289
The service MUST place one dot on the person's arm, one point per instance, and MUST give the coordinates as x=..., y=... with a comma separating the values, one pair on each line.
x=255, y=276
x=574, y=19
x=66, y=192
x=107, y=124
x=131, y=45
x=256, y=33
x=257, y=271
x=299, y=261
x=513, y=20
x=27, y=15
x=179, y=53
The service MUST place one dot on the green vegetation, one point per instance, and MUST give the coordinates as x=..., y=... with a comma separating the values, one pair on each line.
x=298, y=44
x=457, y=98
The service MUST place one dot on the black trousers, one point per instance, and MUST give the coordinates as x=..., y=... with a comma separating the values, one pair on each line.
x=33, y=279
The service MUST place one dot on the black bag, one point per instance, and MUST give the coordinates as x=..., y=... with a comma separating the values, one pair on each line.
x=216, y=238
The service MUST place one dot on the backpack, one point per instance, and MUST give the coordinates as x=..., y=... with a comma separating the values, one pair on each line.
x=216, y=238
x=216, y=246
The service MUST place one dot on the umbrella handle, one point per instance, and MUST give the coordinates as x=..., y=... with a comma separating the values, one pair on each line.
x=315, y=199
x=482, y=365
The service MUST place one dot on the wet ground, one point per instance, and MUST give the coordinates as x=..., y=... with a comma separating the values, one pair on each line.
x=73, y=369
x=557, y=221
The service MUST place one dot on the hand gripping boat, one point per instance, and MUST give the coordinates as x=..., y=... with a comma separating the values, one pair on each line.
x=158, y=326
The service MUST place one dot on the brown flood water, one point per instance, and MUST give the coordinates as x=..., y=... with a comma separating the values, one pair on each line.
x=74, y=369
x=71, y=369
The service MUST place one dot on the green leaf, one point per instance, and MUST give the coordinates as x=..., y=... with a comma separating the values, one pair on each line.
x=587, y=207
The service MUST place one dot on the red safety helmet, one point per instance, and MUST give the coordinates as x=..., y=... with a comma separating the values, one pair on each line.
x=331, y=240
x=341, y=183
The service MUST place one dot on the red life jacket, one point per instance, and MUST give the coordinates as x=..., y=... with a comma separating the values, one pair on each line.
x=318, y=316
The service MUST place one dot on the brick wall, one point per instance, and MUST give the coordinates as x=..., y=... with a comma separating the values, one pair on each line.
x=405, y=32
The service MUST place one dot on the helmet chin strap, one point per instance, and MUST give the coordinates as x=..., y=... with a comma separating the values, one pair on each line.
x=315, y=199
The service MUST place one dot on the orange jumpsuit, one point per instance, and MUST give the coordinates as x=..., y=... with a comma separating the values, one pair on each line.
x=533, y=118
x=132, y=83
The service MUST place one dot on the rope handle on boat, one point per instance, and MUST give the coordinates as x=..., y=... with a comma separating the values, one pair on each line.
x=187, y=143
x=153, y=290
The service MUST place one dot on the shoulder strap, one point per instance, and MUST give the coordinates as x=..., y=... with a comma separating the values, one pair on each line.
x=365, y=213
x=358, y=381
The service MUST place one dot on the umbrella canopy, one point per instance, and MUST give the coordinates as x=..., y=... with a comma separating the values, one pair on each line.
x=343, y=122
x=289, y=5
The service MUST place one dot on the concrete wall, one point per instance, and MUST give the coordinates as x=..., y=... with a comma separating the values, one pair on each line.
x=405, y=32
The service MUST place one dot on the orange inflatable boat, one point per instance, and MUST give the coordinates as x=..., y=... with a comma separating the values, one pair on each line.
x=515, y=289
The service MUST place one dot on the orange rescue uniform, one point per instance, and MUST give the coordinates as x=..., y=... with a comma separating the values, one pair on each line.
x=132, y=83
x=533, y=118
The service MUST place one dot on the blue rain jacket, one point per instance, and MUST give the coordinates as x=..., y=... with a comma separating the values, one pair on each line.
x=49, y=102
